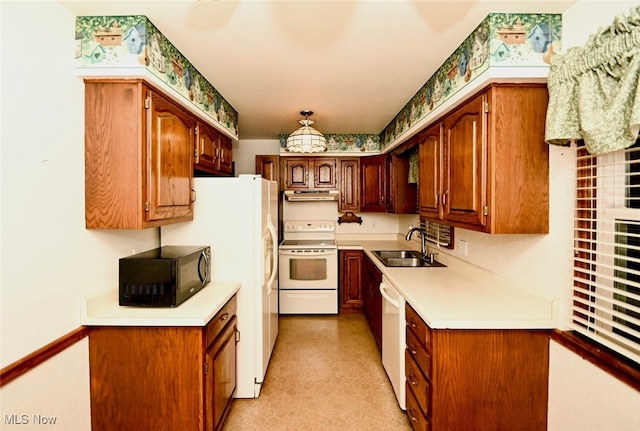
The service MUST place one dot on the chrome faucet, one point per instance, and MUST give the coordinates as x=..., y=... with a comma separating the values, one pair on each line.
x=423, y=236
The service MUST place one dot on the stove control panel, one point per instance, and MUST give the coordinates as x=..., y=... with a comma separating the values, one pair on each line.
x=310, y=226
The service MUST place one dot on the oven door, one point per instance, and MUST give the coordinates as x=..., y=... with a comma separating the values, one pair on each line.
x=308, y=269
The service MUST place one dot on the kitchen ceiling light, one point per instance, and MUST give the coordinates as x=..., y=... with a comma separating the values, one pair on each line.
x=306, y=139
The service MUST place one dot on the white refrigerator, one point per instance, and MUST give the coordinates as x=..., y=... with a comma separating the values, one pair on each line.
x=237, y=217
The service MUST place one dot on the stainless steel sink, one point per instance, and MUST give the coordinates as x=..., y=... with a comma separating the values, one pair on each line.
x=405, y=258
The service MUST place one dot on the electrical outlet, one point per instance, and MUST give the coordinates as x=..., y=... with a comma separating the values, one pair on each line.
x=462, y=247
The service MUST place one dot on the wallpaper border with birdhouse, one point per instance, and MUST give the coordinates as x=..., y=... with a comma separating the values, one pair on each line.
x=501, y=40
x=134, y=44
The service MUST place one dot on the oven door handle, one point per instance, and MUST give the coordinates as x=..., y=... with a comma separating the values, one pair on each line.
x=297, y=253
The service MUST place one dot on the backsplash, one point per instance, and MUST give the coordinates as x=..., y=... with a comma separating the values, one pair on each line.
x=131, y=46
x=502, y=40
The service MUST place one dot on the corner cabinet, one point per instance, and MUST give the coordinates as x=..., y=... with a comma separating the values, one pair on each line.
x=475, y=379
x=485, y=165
x=139, y=155
x=174, y=377
x=213, y=153
x=373, y=183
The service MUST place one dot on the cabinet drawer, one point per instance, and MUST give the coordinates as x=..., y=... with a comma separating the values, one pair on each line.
x=220, y=320
x=416, y=417
x=417, y=382
x=419, y=328
x=419, y=354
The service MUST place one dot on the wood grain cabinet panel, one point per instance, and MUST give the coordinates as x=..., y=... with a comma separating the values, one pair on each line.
x=163, y=378
x=349, y=185
x=213, y=153
x=350, y=279
x=138, y=157
x=373, y=184
x=477, y=379
x=485, y=165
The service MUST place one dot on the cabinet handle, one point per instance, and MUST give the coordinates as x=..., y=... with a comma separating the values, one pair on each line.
x=194, y=195
x=224, y=317
x=412, y=350
x=437, y=198
x=413, y=380
x=412, y=323
x=411, y=415
x=444, y=198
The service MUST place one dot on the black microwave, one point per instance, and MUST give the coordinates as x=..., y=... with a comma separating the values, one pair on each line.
x=164, y=277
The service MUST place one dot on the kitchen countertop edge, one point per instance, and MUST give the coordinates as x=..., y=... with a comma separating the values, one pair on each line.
x=102, y=309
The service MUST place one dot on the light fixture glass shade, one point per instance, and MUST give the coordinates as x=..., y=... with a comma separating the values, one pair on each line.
x=306, y=139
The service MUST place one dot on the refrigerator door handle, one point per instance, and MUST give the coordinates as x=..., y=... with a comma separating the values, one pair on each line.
x=274, y=255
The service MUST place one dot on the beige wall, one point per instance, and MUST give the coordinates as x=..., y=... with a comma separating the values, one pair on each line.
x=49, y=260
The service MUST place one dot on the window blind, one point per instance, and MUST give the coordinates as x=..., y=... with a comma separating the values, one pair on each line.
x=606, y=287
x=438, y=234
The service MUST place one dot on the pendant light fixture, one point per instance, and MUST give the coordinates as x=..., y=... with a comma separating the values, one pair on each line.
x=306, y=139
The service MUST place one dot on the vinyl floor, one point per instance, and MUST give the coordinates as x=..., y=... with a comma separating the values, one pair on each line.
x=325, y=374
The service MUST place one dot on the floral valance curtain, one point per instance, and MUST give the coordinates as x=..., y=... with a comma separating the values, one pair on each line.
x=594, y=91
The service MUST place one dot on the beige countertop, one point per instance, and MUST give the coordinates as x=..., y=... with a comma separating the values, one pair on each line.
x=460, y=295
x=103, y=309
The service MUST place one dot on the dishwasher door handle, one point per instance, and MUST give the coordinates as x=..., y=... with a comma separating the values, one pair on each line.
x=383, y=291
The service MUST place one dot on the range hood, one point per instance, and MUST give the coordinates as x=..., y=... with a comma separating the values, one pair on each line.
x=311, y=195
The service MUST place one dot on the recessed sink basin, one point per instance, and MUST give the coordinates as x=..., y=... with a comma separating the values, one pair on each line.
x=396, y=254
x=404, y=258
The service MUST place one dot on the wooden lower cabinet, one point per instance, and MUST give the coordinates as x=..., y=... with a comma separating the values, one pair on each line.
x=350, y=279
x=163, y=378
x=476, y=379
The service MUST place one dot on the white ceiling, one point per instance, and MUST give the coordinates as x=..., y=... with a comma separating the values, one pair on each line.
x=354, y=63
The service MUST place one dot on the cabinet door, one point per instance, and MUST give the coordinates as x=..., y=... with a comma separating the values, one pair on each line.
x=269, y=167
x=225, y=162
x=431, y=172
x=208, y=140
x=171, y=138
x=373, y=184
x=220, y=377
x=351, y=279
x=349, y=185
x=465, y=164
x=324, y=173
x=296, y=172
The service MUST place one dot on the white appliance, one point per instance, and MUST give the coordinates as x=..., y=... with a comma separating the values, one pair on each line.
x=237, y=217
x=393, y=339
x=308, y=268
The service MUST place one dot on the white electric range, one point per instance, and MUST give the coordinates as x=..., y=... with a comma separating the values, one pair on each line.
x=308, y=268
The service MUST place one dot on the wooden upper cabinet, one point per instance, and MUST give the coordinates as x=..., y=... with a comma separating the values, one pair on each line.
x=373, y=184
x=430, y=161
x=296, y=173
x=465, y=164
x=269, y=167
x=494, y=161
x=139, y=150
x=213, y=153
x=324, y=173
x=310, y=173
x=349, y=185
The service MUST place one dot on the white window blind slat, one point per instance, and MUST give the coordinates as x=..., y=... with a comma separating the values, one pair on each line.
x=606, y=287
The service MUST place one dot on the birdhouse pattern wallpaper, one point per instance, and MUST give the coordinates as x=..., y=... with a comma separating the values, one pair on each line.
x=501, y=40
x=132, y=43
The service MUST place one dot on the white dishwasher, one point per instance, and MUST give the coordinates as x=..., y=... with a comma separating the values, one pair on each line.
x=393, y=338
